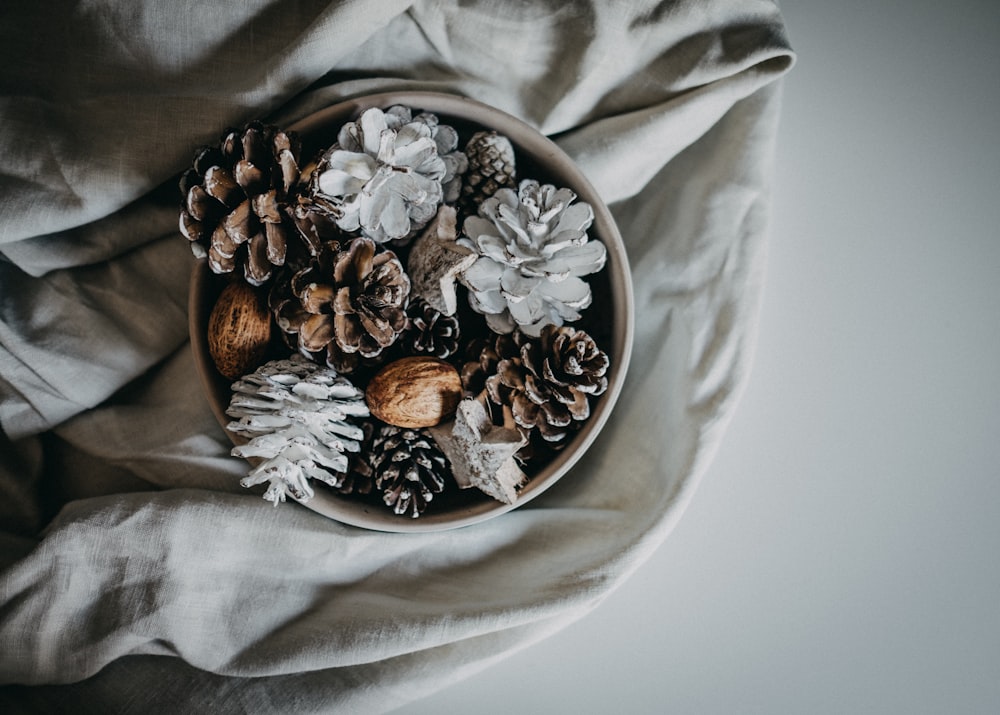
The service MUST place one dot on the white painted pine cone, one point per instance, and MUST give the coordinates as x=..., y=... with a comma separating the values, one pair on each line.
x=387, y=175
x=301, y=420
x=533, y=249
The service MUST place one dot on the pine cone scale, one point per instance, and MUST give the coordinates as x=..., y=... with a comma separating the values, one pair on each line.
x=237, y=223
x=248, y=176
x=223, y=243
x=315, y=332
x=221, y=186
x=277, y=243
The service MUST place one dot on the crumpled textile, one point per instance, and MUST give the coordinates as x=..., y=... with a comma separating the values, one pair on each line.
x=137, y=575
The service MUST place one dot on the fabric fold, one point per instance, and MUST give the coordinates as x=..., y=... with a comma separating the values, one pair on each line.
x=158, y=567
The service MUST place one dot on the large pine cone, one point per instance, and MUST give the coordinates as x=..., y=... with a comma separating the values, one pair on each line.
x=548, y=385
x=492, y=166
x=350, y=301
x=409, y=469
x=387, y=173
x=235, y=201
x=533, y=248
x=301, y=420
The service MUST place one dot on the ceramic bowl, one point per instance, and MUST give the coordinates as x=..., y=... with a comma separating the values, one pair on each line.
x=538, y=158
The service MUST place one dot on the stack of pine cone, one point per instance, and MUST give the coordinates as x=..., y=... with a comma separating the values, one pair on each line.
x=401, y=317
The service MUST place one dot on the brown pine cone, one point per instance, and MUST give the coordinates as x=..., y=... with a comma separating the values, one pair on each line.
x=568, y=359
x=482, y=357
x=360, y=476
x=409, y=469
x=431, y=332
x=548, y=384
x=348, y=303
x=491, y=167
x=236, y=197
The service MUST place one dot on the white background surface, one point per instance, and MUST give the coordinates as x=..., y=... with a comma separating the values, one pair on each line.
x=842, y=553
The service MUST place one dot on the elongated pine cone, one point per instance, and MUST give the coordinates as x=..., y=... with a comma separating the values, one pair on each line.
x=431, y=332
x=409, y=469
x=235, y=201
x=548, y=385
x=301, y=420
x=346, y=302
x=492, y=166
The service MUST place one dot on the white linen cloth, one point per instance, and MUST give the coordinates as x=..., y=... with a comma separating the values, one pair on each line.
x=137, y=576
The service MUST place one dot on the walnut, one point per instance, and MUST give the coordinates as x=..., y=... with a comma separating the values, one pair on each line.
x=239, y=330
x=414, y=392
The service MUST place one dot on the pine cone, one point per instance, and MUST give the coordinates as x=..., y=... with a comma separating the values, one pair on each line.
x=301, y=420
x=360, y=477
x=533, y=247
x=385, y=176
x=446, y=138
x=235, y=201
x=346, y=302
x=492, y=166
x=548, y=384
x=431, y=332
x=482, y=357
x=409, y=469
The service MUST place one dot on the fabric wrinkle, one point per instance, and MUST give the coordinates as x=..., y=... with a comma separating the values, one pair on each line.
x=153, y=565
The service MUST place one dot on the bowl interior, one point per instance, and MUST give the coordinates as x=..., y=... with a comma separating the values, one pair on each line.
x=609, y=318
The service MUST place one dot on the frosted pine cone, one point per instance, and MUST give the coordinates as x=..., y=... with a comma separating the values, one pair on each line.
x=409, y=469
x=547, y=386
x=385, y=176
x=456, y=163
x=346, y=302
x=492, y=166
x=236, y=198
x=533, y=247
x=301, y=420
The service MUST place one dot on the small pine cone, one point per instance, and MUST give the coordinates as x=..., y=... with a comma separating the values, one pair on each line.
x=482, y=357
x=235, y=202
x=409, y=469
x=568, y=359
x=548, y=385
x=347, y=303
x=491, y=167
x=431, y=332
x=360, y=477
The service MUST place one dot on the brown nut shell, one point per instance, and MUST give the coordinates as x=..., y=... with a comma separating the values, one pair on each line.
x=415, y=392
x=239, y=330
